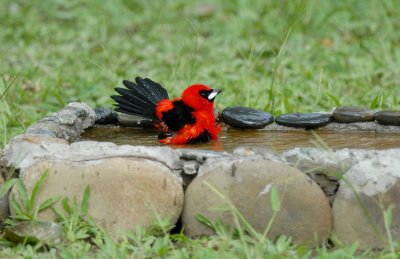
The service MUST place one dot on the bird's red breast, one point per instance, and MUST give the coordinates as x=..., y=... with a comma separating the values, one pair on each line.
x=191, y=116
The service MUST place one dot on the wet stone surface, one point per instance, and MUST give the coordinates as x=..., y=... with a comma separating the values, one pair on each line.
x=246, y=118
x=388, y=117
x=347, y=114
x=304, y=120
x=128, y=120
x=105, y=116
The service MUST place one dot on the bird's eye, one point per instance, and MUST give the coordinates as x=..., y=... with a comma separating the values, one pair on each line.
x=204, y=93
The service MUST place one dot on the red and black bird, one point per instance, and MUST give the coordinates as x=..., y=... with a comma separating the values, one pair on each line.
x=184, y=120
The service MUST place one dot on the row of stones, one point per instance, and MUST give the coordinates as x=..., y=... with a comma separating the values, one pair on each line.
x=130, y=183
x=243, y=117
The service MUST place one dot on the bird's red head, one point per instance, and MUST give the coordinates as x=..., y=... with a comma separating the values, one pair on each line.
x=200, y=97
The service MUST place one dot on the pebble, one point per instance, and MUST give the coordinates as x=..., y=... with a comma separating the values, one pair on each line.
x=304, y=120
x=105, y=116
x=246, y=118
x=33, y=232
x=304, y=213
x=388, y=117
x=348, y=114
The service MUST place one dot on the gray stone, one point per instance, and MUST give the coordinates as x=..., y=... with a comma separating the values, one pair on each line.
x=33, y=232
x=190, y=167
x=277, y=127
x=51, y=119
x=305, y=213
x=388, y=117
x=370, y=188
x=24, y=151
x=129, y=120
x=304, y=120
x=68, y=123
x=326, y=167
x=53, y=130
x=347, y=114
x=199, y=155
x=106, y=116
x=77, y=113
x=125, y=192
x=255, y=152
x=246, y=118
x=370, y=126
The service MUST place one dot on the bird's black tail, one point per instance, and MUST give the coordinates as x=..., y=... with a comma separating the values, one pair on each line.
x=140, y=98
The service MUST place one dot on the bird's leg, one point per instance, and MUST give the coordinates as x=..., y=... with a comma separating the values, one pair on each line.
x=162, y=127
x=163, y=135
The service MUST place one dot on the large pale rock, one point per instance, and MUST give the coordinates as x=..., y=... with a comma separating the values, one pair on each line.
x=125, y=192
x=305, y=213
x=370, y=188
x=326, y=167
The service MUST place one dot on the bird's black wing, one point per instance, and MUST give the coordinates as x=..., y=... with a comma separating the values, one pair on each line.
x=140, y=98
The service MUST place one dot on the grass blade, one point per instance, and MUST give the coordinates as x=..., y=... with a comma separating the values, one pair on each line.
x=8, y=87
x=23, y=194
x=85, y=201
x=36, y=188
x=6, y=187
x=275, y=200
x=48, y=203
x=67, y=206
x=204, y=220
x=335, y=100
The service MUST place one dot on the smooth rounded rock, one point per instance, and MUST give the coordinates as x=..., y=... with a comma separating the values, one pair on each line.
x=125, y=192
x=304, y=120
x=388, y=117
x=305, y=214
x=372, y=187
x=246, y=118
x=33, y=232
x=348, y=114
x=105, y=116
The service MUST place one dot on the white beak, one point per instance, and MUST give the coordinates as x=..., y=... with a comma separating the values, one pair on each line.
x=214, y=93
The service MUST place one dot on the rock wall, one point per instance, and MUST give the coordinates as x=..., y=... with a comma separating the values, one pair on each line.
x=347, y=190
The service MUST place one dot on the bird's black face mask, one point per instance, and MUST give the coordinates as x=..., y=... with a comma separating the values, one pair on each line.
x=209, y=94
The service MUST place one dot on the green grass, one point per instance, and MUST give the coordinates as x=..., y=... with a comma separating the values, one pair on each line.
x=279, y=56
